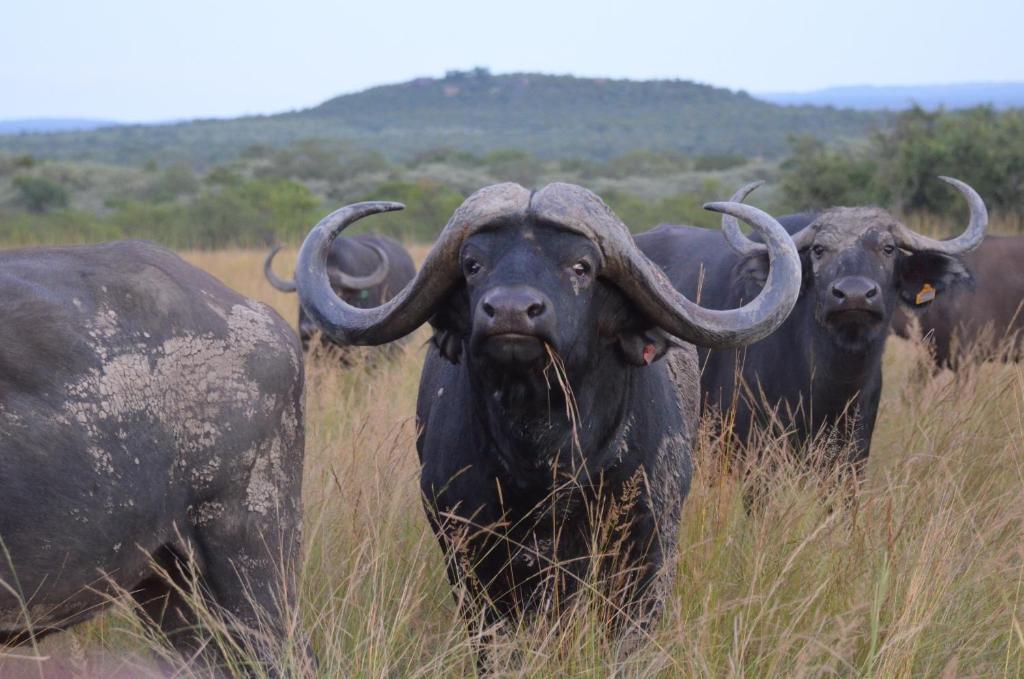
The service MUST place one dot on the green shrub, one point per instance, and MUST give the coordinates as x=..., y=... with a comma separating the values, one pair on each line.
x=39, y=194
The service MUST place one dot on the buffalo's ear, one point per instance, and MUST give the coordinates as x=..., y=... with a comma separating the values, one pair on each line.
x=451, y=324
x=923, y=276
x=644, y=347
x=639, y=340
x=750, y=274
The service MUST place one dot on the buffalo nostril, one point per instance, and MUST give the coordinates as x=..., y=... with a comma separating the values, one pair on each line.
x=488, y=309
x=838, y=293
x=872, y=292
x=535, y=309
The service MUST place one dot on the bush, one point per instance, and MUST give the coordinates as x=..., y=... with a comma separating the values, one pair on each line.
x=428, y=207
x=898, y=167
x=39, y=194
x=816, y=177
x=55, y=228
x=174, y=181
x=646, y=164
x=513, y=166
x=713, y=162
x=641, y=214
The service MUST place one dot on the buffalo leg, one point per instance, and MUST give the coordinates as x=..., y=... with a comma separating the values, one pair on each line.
x=254, y=580
x=165, y=605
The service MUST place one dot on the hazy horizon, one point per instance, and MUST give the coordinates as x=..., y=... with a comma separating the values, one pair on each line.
x=767, y=95
x=122, y=61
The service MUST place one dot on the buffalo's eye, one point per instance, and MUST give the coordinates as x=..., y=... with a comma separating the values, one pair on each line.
x=471, y=266
x=581, y=268
x=889, y=249
x=818, y=250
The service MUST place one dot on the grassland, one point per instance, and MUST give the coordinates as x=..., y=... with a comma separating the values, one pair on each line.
x=920, y=576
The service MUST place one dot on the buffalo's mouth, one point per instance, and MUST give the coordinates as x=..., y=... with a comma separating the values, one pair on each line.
x=854, y=317
x=512, y=348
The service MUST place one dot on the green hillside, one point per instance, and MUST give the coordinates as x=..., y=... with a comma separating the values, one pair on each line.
x=548, y=116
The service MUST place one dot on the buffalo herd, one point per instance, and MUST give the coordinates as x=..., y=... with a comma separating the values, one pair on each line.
x=151, y=419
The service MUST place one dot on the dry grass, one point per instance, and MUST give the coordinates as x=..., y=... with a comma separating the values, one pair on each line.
x=920, y=576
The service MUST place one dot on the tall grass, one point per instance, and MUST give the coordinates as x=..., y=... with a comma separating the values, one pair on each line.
x=920, y=573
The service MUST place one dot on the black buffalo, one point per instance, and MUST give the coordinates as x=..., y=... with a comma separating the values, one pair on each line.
x=148, y=414
x=533, y=297
x=985, y=317
x=820, y=373
x=365, y=270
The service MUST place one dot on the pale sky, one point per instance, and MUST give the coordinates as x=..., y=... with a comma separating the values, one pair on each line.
x=136, y=60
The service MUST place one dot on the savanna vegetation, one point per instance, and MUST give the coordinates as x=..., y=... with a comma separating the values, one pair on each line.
x=474, y=111
x=269, y=193
x=920, y=573
x=897, y=167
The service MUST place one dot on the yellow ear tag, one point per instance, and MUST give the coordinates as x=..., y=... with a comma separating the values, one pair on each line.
x=925, y=294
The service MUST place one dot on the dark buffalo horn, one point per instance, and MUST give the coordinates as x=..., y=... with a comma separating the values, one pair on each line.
x=342, y=280
x=415, y=303
x=744, y=246
x=648, y=288
x=962, y=244
x=268, y=271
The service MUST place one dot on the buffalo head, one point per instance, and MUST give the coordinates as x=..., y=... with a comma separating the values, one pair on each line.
x=516, y=270
x=860, y=262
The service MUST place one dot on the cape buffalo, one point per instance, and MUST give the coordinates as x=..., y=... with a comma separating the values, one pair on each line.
x=554, y=443
x=148, y=414
x=366, y=270
x=986, y=315
x=821, y=371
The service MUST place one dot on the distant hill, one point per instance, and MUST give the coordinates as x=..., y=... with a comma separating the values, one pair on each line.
x=964, y=95
x=550, y=116
x=52, y=125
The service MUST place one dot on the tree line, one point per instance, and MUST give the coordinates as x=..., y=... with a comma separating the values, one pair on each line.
x=273, y=194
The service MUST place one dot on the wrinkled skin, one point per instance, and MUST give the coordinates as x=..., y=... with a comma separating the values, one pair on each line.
x=821, y=371
x=496, y=444
x=984, y=315
x=146, y=412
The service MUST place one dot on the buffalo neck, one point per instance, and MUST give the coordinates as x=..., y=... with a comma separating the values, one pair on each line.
x=838, y=374
x=532, y=432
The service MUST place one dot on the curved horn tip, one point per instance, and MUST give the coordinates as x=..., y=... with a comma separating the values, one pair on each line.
x=357, y=211
x=718, y=206
x=960, y=185
x=745, y=190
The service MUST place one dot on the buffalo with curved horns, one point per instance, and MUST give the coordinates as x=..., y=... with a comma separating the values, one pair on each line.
x=821, y=371
x=150, y=423
x=986, y=316
x=558, y=399
x=365, y=270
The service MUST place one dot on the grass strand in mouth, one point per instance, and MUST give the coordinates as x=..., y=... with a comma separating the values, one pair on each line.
x=572, y=411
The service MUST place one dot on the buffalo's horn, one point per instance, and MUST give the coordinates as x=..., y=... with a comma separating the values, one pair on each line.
x=268, y=271
x=648, y=288
x=576, y=209
x=415, y=303
x=965, y=242
x=342, y=280
x=744, y=246
x=736, y=239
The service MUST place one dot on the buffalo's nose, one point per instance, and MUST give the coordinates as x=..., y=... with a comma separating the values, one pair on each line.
x=515, y=309
x=855, y=290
